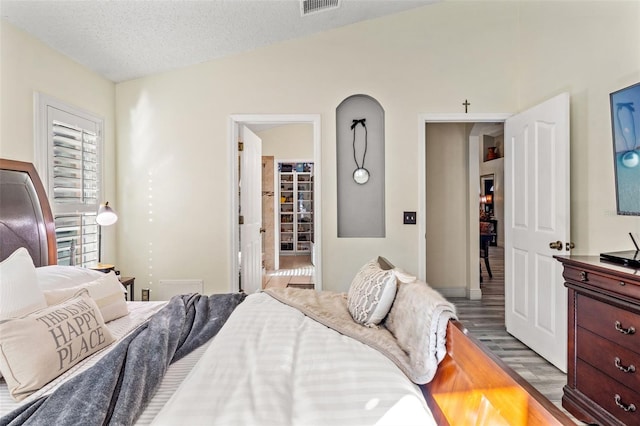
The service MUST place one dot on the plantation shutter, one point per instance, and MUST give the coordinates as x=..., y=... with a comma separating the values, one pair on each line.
x=74, y=157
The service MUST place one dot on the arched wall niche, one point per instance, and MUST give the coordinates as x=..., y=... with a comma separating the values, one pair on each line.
x=361, y=211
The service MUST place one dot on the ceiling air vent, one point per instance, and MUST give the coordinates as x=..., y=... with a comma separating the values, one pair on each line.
x=307, y=7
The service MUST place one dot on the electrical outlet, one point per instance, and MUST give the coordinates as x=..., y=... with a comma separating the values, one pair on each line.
x=409, y=218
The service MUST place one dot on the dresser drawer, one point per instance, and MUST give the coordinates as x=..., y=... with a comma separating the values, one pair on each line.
x=602, y=281
x=613, y=360
x=605, y=391
x=608, y=321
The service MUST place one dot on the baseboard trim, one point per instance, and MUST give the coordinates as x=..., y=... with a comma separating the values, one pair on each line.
x=474, y=294
x=452, y=291
x=447, y=292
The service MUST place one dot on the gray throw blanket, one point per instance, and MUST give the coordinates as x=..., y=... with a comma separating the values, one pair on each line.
x=118, y=387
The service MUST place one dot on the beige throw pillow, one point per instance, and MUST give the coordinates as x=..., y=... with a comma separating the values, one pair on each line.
x=54, y=277
x=371, y=294
x=38, y=347
x=107, y=291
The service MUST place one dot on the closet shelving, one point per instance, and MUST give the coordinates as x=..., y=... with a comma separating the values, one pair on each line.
x=296, y=208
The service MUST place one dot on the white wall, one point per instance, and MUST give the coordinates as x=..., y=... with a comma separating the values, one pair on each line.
x=288, y=142
x=173, y=161
x=28, y=66
x=172, y=131
x=447, y=209
x=172, y=127
x=589, y=49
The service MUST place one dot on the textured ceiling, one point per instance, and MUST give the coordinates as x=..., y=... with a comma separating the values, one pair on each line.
x=127, y=39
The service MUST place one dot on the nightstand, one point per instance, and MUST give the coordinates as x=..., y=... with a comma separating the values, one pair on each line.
x=128, y=283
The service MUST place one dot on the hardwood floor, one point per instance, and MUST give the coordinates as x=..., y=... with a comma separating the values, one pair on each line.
x=485, y=320
x=295, y=271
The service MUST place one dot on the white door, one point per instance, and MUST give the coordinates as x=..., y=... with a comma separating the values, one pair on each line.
x=251, y=211
x=536, y=217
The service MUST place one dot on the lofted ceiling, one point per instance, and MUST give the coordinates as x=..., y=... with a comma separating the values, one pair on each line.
x=127, y=39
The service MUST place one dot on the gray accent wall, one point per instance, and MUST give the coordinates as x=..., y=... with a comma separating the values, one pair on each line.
x=361, y=211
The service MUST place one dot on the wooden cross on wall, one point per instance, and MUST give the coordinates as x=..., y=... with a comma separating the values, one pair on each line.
x=466, y=105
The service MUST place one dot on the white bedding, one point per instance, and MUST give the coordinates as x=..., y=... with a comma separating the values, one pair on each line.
x=271, y=365
x=139, y=312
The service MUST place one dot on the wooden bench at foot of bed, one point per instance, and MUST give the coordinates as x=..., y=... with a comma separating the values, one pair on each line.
x=474, y=387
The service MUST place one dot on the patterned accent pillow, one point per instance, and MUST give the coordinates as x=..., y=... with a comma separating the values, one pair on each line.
x=38, y=347
x=371, y=294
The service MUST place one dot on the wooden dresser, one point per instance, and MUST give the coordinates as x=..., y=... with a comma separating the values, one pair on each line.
x=603, y=377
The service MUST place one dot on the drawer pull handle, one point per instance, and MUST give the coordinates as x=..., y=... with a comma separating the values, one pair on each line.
x=628, y=408
x=583, y=276
x=622, y=283
x=630, y=369
x=629, y=330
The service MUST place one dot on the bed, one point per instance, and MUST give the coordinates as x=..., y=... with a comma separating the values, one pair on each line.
x=288, y=357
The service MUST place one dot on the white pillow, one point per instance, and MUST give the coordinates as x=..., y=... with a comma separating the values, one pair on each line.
x=403, y=277
x=38, y=347
x=106, y=291
x=19, y=291
x=371, y=294
x=57, y=276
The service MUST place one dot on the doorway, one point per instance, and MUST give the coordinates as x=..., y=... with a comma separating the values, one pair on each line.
x=467, y=249
x=288, y=214
x=491, y=198
x=536, y=190
x=261, y=122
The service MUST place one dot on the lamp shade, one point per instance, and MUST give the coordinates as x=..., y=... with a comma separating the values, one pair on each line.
x=106, y=215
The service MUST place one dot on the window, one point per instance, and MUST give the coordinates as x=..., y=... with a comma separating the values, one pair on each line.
x=69, y=160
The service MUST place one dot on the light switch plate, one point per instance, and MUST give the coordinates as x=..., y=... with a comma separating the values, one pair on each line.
x=409, y=218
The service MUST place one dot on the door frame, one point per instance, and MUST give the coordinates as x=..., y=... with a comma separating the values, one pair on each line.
x=473, y=291
x=235, y=120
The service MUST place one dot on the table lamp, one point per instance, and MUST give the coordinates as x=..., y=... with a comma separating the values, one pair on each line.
x=106, y=217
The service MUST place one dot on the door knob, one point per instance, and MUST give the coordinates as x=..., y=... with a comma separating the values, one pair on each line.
x=557, y=245
x=262, y=230
x=569, y=246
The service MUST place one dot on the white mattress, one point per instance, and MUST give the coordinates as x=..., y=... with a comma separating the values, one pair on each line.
x=271, y=365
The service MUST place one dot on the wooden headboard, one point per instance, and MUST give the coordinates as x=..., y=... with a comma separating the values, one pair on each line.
x=25, y=214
